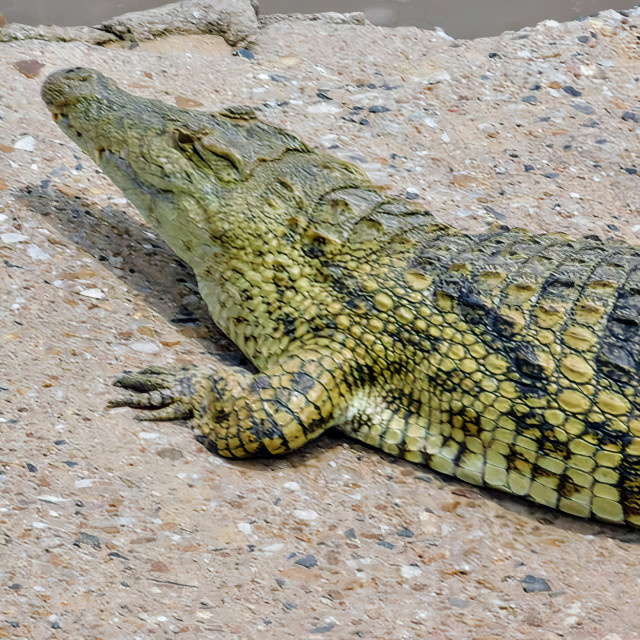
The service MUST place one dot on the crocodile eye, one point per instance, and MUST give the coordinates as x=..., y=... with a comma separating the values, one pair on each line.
x=184, y=138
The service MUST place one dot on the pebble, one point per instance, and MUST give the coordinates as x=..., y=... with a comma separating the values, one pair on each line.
x=26, y=143
x=385, y=544
x=583, y=107
x=143, y=346
x=459, y=602
x=53, y=499
x=571, y=91
x=530, y=99
x=533, y=584
x=244, y=527
x=410, y=570
x=245, y=53
x=308, y=562
x=11, y=238
x=87, y=539
x=324, y=107
x=305, y=514
x=92, y=293
x=35, y=252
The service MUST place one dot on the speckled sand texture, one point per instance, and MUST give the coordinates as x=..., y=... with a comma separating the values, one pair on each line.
x=113, y=529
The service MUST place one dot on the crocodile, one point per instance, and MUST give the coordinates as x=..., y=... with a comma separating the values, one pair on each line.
x=507, y=358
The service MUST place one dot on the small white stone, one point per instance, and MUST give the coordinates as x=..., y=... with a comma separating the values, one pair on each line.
x=150, y=435
x=53, y=499
x=305, y=514
x=39, y=525
x=3, y=217
x=293, y=486
x=35, y=252
x=26, y=143
x=324, y=107
x=145, y=347
x=92, y=293
x=442, y=33
x=10, y=238
x=244, y=527
x=410, y=571
x=575, y=196
x=445, y=137
x=83, y=484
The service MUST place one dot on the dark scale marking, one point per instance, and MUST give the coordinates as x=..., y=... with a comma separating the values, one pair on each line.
x=303, y=382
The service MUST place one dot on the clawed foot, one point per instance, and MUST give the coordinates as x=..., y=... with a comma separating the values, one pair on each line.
x=163, y=394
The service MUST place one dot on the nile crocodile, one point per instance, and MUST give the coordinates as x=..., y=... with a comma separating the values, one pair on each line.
x=507, y=359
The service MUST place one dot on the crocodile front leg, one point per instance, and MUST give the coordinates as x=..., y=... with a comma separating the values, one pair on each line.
x=245, y=415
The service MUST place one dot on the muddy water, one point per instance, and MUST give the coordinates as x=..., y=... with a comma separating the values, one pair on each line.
x=459, y=18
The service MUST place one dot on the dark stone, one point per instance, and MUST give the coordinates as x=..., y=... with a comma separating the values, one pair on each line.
x=385, y=544
x=528, y=167
x=405, y=533
x=31, y=467
x=532, y=584
x=323, y=96
x=245, y=53
x=583, y=39
x=323, y=629
x=70, y=463
x=601, y=141
x=493, y=54
x=631, y=170
x=551, y=175
x=350, y=534
x=15, y=586
x=59, y=443
x=630, y=116
x=364, y=122
x=530, y=99
x=459, y=602
x=571, y=91
x=88, y=539
x=289, y=606
x=277, y=77
x=583, y=107
x=376, y=108
x=115, y=554
x=496, y=214
x=411, y=195
x=308, y=562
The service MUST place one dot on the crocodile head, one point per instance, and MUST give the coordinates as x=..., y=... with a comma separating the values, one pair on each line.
x=177, y=166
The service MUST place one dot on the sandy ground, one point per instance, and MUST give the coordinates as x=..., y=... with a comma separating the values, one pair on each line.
x=110, y=528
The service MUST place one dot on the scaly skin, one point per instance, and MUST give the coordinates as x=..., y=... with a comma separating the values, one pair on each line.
x=507, y=359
